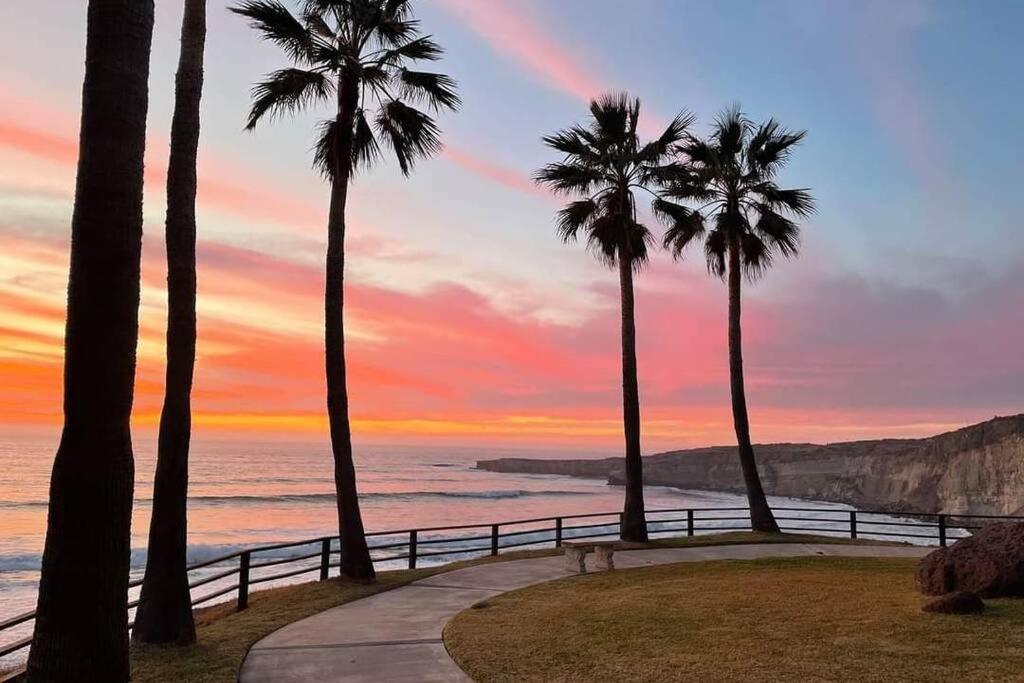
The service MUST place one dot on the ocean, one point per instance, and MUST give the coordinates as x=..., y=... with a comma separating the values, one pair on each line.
x=245, y=493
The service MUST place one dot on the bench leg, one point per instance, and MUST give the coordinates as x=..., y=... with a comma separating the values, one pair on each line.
x=604, y=558
x=576, y=560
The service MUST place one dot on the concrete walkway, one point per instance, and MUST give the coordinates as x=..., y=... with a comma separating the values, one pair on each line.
x=396, y=635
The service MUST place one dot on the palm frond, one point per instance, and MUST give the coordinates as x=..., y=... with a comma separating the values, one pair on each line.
x=316, y=25
x=287, y=90
x=568, y=178
x=797, y=201
x=770, y=147
x=324, y=6
x=376, y=75
x=386, y=22
x=614, y=115
x=396, y=10
x=603, y=238
x=700, y=152
x=684, y=225
x=575, y=217
x=575, y=141
x=411, y=133
x=419, y=49
x=716, y=247
x=688, y=182
x=657, y=149
x=781, y=233
x=365, y=148
x=603, y=162
x=755, y=256
x=731, y=127
x=640, y=241
x=435, y=90
x=662, y=174
x=393, y=31
x=279, y=26
x=323, y=150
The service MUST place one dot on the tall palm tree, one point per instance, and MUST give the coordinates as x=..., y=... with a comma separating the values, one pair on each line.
x=357, y=52
x=165, y=606
x=603, y=163
x=81, y=627
x=727, y=195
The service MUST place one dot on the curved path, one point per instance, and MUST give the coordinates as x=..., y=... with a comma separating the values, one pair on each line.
x=396, y=635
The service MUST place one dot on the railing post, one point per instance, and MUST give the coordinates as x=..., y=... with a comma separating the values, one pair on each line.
x=558, y=532
x=942, y=530
x=325, y=558
x=689, y=522
x=494, y=539
x=412, y=549
x=853, y=524
x=622, y=521
x=243, y=581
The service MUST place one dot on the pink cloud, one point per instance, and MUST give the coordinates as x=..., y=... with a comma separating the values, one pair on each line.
x=247, y=202
x=514, y=33
x=884, y=46
x=828, y=357
x=502, y=175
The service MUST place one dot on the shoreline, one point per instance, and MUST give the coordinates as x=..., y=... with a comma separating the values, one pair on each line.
x=977, y=470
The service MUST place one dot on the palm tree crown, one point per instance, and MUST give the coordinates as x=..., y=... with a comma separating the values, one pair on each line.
x=730, y=179
x=366, y=42
x=604, y=163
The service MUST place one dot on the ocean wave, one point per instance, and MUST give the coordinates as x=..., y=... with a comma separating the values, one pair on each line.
x=329, y=497
x=379, y=495
x=19, y=562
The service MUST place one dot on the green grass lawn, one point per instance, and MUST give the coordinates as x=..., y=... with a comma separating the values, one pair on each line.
x=800, y=619
x=225, y=636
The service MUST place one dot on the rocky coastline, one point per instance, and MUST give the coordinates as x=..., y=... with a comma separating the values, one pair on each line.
x=975, y=470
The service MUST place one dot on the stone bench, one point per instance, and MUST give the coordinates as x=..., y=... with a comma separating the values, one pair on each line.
x=576, y=555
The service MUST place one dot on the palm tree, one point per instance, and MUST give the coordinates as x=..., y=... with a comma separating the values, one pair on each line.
x=729, y=180
x=358, y=52
x=603, y=164
x=81, y=627
x=165, y=606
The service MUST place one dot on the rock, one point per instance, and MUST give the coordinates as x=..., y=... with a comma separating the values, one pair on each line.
x=974, y=470
x=960, y=602
x=989, y=563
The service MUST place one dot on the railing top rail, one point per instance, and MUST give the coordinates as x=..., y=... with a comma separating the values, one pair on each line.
x=289, y=544
x=536, y=520
x=913, y=515
x=17, y=619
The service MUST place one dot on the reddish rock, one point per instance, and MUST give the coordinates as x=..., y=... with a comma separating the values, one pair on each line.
x=989, y=563
x=956, y=603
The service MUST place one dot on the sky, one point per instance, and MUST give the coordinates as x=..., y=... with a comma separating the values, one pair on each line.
x=469, y=321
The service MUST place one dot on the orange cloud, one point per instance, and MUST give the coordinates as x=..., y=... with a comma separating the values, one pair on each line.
x=39, y=144
x=247, y=202
x=447, y=364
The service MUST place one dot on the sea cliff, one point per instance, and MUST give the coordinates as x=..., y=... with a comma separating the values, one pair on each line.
x=974, y=470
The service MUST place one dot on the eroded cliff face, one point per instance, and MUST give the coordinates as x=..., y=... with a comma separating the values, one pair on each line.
x=975, y=470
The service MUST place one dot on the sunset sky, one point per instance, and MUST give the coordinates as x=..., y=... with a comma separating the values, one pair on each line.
x=469, y=321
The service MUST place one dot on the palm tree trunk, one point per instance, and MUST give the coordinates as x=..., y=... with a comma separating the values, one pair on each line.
x=355, y=556
x=634, y=525
x=165, y=607
x=81, y=627
x=761, y=517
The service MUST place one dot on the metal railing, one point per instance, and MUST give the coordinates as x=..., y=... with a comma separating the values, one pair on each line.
x=238, y=572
